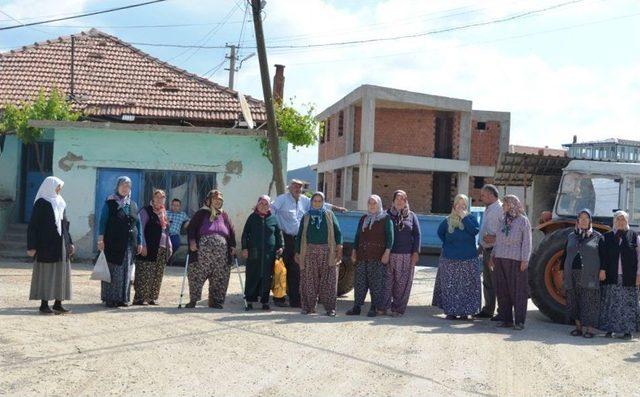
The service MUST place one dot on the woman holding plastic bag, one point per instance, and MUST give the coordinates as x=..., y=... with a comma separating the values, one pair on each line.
x=119, y=237
x=261, y=244
x=49, y=242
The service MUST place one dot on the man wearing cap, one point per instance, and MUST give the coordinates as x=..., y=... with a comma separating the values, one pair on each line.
x=289, y=208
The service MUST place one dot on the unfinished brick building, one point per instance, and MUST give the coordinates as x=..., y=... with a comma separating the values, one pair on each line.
x=378, y=139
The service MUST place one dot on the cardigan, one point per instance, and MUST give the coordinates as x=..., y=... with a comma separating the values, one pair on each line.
x=42, y=233
x=461, y=244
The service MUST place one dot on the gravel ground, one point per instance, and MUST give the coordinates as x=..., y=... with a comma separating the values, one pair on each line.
x=205, y=352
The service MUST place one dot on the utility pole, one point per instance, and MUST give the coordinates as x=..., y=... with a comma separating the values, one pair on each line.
x=272, y=129
x=232, y=57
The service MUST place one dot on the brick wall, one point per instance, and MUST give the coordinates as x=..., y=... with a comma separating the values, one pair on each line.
x=485, y=144
x=334, y=146
x=418, y=186
x=405, y=131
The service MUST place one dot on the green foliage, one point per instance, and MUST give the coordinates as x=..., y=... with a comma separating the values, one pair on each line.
x=51, y=107
x=295, y=127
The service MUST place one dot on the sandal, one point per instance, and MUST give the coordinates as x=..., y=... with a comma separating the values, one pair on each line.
x=588, y=335
x=577, y=332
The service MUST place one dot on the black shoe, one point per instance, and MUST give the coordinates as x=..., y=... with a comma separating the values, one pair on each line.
x=496, y=318
x=265, y=306
x=354, y=311
x=451, y=317
x=627, y=336
x=111, y=305
x=58, y=309
x=280, y=304
x=331, y=313
x=191, y=304
x=372, y=312
x=608, y=335
x=45, y=310
x=153, y=303
x=139, y=303
x=215, y=305
x=249, y=307
x=123, y=304
x=483, y=315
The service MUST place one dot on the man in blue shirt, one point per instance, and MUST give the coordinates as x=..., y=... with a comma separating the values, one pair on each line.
x=177, y=218
x=289, y=208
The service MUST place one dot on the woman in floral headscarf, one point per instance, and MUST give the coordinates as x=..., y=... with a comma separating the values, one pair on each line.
x=318, y=252
x=510, y=261
x=261, y=243
x=457, y=287
x=371, y=253
x=212, y=242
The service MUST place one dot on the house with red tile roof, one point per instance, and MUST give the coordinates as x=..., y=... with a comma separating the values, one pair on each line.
x=154, y=122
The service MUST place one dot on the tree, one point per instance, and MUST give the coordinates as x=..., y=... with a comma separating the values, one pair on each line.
x=46, y=107
x=300, y=129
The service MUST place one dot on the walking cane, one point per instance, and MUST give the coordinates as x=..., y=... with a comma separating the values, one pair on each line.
x=184, y=276
x=244, y=299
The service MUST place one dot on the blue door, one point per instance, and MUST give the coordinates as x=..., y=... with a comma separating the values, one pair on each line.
x=106, y=184
x=35, y=173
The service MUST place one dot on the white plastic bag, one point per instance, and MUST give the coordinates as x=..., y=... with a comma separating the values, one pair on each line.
x=101, y=269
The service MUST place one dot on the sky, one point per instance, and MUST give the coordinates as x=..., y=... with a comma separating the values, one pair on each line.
x=573, y=69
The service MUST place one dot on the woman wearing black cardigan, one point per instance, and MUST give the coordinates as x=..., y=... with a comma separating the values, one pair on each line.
x=49, y=242
x=619, y=272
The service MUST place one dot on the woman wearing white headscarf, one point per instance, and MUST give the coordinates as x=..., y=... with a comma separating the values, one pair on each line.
x=457, y=286
x=371, y=251
x=49, y=242
x=620, y=274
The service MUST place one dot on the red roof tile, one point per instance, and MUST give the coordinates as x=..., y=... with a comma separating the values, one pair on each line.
x=112, y=78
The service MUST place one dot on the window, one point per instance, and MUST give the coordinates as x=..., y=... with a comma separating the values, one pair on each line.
x=478, y=182
x=190, y=187
x=634, y=211
x=600, y=194
x=327, y=127
x=341, y=123
x=338, y=183
x=481, y=125
x=321, y=182
x=323, y=131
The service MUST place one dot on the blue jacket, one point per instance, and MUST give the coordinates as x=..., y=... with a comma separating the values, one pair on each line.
x=461, y=244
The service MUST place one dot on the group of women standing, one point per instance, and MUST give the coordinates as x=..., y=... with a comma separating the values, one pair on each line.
x=601, y=272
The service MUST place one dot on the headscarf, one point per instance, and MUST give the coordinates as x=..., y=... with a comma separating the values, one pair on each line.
x=515, y=210
x=213, y=194
x=121, y=200
x=255, y=209
x=317, y=214
x=47, y=191
x=584, y=233
x=620, y=232
x=162, y=211
x=399, y=217
x=373, y=217
x=453, y=220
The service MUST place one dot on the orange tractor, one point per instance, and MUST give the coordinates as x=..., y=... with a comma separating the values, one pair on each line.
x=601, y=187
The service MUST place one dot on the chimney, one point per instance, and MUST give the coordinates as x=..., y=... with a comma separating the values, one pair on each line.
x=575, y=139
x=278, y=84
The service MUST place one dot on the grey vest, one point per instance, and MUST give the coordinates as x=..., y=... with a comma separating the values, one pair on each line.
x=588, y=250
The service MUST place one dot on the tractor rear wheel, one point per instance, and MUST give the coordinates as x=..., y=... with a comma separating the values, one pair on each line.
x=545, y=279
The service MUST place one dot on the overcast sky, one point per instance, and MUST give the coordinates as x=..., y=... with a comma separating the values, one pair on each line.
x=573, y=69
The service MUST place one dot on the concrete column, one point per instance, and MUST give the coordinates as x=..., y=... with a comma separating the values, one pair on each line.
x=347, y=178
x=365, y=181
x=465, y=136
x=463, y=183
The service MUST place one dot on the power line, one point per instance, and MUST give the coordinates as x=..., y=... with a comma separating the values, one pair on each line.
x=83, y=15
x=176, y=25
x=383, y=39
x=20, y=22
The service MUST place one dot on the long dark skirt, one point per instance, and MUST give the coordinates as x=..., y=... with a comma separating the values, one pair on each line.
x=318, y=279
x=583, y=304
x=119, y=289
x=213, y=265
x=51, y=281
x=148, y=278
x=619, y=312
x=457, y=288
